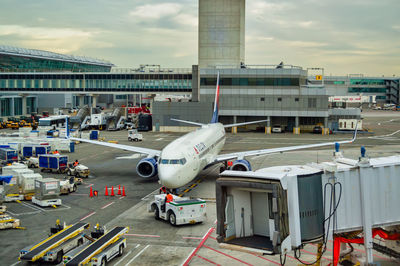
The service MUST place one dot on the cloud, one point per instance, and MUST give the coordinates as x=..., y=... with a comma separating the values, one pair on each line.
x=156, y=11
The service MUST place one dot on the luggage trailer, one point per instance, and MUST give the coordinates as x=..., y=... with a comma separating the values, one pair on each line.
x=40, y=250
x=102, y=250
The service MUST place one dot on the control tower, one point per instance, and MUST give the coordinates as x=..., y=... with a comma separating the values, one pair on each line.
x=221, y=33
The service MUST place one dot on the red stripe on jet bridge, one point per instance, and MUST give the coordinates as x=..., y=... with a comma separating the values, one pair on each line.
x=229, y=256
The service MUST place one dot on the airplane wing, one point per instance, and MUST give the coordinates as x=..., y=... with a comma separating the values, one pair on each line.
x=230, y=156
x=121, y=147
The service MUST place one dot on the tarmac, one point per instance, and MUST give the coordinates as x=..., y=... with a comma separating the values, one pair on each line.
x=153, y=242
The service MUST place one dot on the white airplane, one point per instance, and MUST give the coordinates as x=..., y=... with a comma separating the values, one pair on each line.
x=184, y=158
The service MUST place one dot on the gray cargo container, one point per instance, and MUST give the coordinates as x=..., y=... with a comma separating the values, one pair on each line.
x=47, y=188
x=28, y=182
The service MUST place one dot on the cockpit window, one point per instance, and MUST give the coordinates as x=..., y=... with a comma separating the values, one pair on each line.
x=173, y=161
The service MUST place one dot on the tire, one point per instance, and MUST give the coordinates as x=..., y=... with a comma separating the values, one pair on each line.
x=121, y=250
x=156, y=213
x=69, y=172
x=80, y=242
x=42, y=170
x=172, y=218
x=135, y=139
x=30, y=165
x=103, y=261
x=74, y=188
x=130, y=139
x=59, y=257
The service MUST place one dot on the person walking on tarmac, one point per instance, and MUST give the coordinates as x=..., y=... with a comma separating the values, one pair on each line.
x=76, y=163
x=163, y=190
x=56, y=152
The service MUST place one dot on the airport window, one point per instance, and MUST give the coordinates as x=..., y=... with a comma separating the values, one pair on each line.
x=244, y=82
x=312, y=102
x=279, y=99
x=262, y=99
x=338, y=82
x=252, y=82
x=372, y=90
x=381, y=97
x=296, y=99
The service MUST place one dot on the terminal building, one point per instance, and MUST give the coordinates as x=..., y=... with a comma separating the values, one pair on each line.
x=33, y=81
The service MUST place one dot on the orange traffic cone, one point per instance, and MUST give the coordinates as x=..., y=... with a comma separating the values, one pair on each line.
x=106, y=193
x=123, y=191
x=91, y=192
x=119, y=190
x=112, y=191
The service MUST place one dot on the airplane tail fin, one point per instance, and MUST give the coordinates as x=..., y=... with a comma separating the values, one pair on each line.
x=214, y=118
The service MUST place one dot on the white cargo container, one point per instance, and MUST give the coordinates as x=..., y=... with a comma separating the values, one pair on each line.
x=28, y=182
x=17, y=173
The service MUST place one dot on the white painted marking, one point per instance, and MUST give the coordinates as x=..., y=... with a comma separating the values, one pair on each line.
x=109, y=204
x=87, y=216
x=15, y=263
x=123, y=258
x=159, y=139
x=122, y=197
x=90, y=185
x=137, y=255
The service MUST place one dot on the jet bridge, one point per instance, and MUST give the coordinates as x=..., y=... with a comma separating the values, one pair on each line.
x=97, y=246
x=40, y=250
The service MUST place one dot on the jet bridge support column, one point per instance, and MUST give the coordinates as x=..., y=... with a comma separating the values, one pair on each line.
x=325, y=130
x=296, y=129
x=234, y=129
x=94, y=99
x=24, y=99
x=81, y=98
x=268, y=127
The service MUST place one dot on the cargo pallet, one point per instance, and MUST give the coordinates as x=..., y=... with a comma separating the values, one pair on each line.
x=7, y=222
x=13, y=197
x=46, y=203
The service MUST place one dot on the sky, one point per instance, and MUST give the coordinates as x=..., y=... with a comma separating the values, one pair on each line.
x=341, y=36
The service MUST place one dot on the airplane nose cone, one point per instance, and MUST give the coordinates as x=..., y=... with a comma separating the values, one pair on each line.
x=169, y=178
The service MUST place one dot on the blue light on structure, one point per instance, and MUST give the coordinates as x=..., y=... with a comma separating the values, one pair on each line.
x=337, y=146
x=363, y=150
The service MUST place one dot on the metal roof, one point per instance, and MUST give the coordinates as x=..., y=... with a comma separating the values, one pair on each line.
x=16, y=51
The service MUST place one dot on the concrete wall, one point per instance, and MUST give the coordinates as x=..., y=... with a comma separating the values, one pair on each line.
x=221, y=32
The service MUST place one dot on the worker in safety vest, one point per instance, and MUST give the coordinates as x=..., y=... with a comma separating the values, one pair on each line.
x=76, y=163
x=169, y=198
x=56, y=152
x=163, y=190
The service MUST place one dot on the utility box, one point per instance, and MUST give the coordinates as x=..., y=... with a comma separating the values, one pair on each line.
x=94, y=134
x=28, y=182
x=47, y=188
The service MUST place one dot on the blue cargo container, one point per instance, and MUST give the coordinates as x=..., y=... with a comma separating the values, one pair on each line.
x=53, y=162
x=27, y=151
x=8, y=155
x=42, y=149
x=94, y=134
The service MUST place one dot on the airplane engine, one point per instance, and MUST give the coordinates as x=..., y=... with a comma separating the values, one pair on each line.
x=241, y=165
x=147, y=167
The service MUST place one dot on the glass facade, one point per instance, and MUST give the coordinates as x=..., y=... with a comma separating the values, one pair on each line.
x=251, y=81
x=367, y=82
x=96, y=82
x=368, y=90
x=11, y=63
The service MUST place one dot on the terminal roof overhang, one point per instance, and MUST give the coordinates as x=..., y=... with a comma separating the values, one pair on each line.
x=33, y=53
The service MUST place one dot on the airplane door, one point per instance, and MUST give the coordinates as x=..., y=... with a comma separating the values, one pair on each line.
x=259, y=209
x=230, y=218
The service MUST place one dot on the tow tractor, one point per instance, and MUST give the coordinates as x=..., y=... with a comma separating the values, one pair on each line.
x=79, y=171
x=133, y=135
x=62, y=239
x=67, y=185
x=182, y=210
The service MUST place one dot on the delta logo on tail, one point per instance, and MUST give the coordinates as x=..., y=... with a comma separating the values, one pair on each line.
x=214, y=118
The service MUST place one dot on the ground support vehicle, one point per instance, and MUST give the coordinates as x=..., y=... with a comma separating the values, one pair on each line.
x=32, y=162
x=133, y=135
x=68, y=186
x=62, y=240
x=179, y=211
x=103, y=249
x=7, y=222
x=53, y=163
x=79, y=171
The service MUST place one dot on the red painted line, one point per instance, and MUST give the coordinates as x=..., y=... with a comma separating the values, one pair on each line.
x=229, y=256
x=213, y=238
x=109, y=204
x=205, y=237
x=210, y=261
x=261, y=257
x=87, y=216
x=190, y=237
x=142, y=235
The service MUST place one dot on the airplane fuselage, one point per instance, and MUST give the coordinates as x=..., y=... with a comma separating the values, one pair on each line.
x=183, y=159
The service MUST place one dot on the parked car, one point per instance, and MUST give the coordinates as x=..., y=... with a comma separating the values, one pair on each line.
x=277, y=129
x=317, y=130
